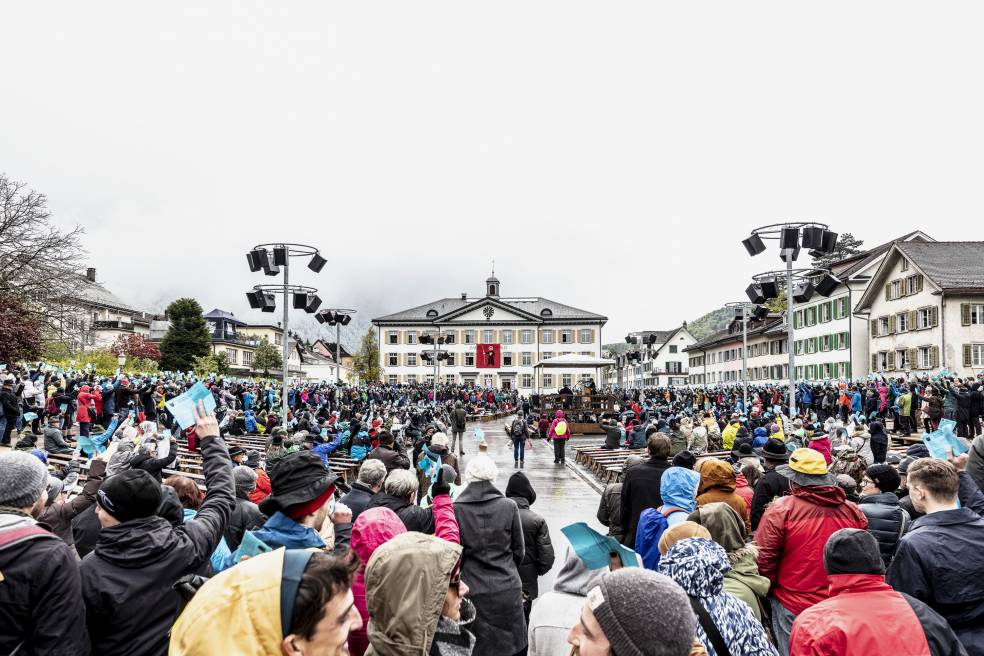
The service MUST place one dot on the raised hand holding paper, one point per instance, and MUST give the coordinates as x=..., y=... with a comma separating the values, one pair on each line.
x=183, y=407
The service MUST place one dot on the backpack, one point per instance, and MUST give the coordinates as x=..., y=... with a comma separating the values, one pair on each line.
x=517, y=429
x=850, y=462
x=653, y=522
x=51, y=407
x=561, y=428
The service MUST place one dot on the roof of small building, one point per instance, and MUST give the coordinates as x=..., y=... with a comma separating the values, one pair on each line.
x=949, y=265
x=222, y=314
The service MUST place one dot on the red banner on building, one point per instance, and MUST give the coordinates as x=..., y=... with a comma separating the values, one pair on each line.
x=488, y=356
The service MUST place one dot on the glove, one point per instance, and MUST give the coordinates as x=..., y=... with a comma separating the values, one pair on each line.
x=440, y=487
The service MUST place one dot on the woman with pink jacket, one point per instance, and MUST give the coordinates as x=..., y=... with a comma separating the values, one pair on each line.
x=559, y=432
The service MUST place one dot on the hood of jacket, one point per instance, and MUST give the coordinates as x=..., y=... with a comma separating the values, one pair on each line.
x=520, y=486
x=698, y=565
x=717, y=475
x=406, y=582
x=744, y=568
x=574, y=576
x=477, y=492
x=245, y=601
x=372, y=528
x=559, y=414
x=135, y=543
x=678, y=488
x=723, y=522
x=821, y=495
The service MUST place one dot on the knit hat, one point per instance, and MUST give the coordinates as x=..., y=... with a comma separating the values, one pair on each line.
x=23, y=479
x=481, y=468
x=439, y=439
x=245, y=479
x=681, y=531
x=852, y=551
x=684, y=459
x=131, y=494
x=625, y=602
x=885, y=477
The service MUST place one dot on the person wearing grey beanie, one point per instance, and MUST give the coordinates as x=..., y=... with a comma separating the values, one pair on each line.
x=246, y=515
x=635, y=612
x=39, y=571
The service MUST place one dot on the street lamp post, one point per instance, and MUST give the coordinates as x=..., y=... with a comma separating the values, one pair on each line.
x=262, y=296
x=818, y=239
x=744, y=307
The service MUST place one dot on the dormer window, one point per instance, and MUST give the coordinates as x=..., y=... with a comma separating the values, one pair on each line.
x=546, y=312
x=431, y=313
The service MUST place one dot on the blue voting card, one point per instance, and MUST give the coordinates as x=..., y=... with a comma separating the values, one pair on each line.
x=182, y=407
x=595, y=549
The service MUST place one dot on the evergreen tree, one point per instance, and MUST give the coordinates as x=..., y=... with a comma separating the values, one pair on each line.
x=847, y=245
x=367, y=359
x=187, y=338
x=267, y=357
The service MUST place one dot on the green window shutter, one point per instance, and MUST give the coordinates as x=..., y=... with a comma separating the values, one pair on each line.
x=967, y=356
x=874, y=363
x=965, y=315
x=846, y=309
x=935, y=318
x=847, y=339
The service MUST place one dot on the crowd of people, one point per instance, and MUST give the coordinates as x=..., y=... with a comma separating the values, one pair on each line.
x=748, y=531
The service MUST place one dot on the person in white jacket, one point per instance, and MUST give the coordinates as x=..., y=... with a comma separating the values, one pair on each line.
x=555, y=612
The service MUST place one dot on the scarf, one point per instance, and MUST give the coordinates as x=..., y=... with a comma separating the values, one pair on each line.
x=452, y=638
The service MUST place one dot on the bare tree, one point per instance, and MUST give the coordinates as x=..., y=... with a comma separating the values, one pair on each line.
x=39, y=263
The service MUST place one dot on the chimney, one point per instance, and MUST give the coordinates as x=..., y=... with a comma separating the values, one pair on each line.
x=90, y=274
x=464, y=296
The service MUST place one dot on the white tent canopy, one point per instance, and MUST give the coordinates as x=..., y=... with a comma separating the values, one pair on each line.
x=574, y=361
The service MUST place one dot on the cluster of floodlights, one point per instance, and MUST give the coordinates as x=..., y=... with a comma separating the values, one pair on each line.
x=430, y=356
x=330, y=317
x=259, y=258
x=817, y=240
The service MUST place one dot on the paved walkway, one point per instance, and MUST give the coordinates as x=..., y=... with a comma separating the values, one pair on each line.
x=562, y=497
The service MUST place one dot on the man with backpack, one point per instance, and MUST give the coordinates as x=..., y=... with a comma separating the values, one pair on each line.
x=519, y=432
x=459, y=420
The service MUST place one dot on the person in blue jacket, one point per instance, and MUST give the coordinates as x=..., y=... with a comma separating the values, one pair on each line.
x=678, y=489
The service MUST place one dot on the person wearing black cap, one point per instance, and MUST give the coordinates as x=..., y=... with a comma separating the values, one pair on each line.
x=863, y=614
x=127, y=580
x=887, y=521
x=772, y=484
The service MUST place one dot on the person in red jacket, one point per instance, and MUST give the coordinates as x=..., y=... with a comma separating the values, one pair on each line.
x=792, y=534
x=864, y=616
x=82, y=415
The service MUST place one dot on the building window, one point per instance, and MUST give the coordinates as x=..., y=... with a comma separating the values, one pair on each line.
x=566, y=336
x=977, y=355
x=924, y=359
x=526, y=359
x=566, y=380
x=584, y=336
x=883, y=326
x=507, y=337
x=489, y=380
x=824, y=312
x=548, y=380
x=673, y=348
x=451, y=379
x=278, y=339
x=233, y=356
x=450, y=361
x=526, y=337
x=488, y=336
x=411, y=337
x=825, y=343
x=976, y=314
x=469, y=359
x=526, y=380
x=895, y=290
x=449, y=337
x=905, y=264
x=547, y=355
x=842, y=341
x=902, y=322
x=393, y=337
x=674, y=368
x=412, y=379
x=394, y=359
x=247, y=358
x=901, y=361
x=469, y=337
x=507, y=359
x=411, y=359
x=924, y=318
x=548, y=337
x=392, y=379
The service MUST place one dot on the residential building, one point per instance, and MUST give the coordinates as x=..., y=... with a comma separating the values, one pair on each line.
x=346, y=359
x=238, y=340
x=495, y=341
x=661, y=363
x=717, y=359
x=831, y=341
x=925, y=309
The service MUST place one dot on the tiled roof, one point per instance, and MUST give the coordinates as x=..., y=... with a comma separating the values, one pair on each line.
x=949, y=264
x=768, y=326
x=93, y=292
x=222, y=314
x=847, y=267
x=531, y=305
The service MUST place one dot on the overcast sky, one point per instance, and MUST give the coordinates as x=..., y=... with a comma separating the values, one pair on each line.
x=608, y=155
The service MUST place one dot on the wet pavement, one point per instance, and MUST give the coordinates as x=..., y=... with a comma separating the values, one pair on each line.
x=562, y=496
